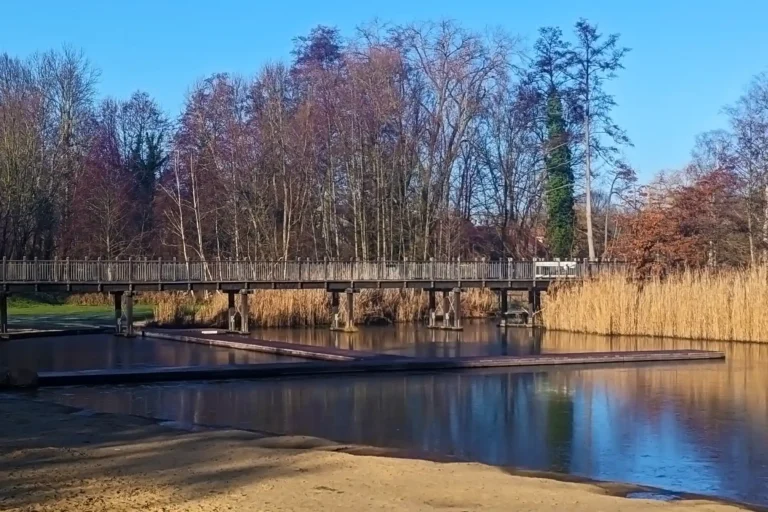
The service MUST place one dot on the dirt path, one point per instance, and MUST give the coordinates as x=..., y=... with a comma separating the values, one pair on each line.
x=53, y=458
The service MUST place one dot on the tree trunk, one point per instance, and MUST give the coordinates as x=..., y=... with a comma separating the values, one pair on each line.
x=588, y=184
x=765, y=225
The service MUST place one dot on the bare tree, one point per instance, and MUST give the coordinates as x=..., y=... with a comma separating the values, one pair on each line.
x=594, y=59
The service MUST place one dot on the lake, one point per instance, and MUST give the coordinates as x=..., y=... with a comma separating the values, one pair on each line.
x=697, y=427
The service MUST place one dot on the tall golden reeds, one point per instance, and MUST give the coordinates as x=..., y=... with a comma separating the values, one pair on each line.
x=703, y=304
x=300, y=308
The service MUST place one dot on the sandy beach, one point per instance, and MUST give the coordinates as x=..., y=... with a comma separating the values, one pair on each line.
x=55, y=458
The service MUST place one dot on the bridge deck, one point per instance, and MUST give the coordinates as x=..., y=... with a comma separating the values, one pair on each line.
x=103, y=275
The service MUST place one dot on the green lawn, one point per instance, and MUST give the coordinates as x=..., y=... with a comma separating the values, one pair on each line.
x=29, y=311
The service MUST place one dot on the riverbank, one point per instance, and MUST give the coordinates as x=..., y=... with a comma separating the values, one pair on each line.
x=721, y=305
x=56, y=458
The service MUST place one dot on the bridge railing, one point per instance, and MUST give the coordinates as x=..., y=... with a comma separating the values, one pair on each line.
x=160, y=271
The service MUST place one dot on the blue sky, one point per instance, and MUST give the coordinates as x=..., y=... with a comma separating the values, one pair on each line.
x=689, y=58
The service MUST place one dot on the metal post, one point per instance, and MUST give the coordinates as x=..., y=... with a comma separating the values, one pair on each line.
x=457, y=308
x=3, y=312
x=118, y=301
x=231, y=312
x=128, y=299
x=244, y=327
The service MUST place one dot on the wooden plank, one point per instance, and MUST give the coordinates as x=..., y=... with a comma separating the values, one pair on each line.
x=260, y=371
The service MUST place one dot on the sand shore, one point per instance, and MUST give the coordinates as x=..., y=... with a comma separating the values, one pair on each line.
x=55, y=458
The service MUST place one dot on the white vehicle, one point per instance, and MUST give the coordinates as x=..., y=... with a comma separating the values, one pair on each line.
x=555, y=269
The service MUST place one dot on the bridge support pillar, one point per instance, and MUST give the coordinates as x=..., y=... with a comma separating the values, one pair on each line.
x=446, y=309
x=231, y=312
x=503, y=308
x=342, y=312
x=128, y=313
x=534, y=306
x=456, y=309
x=117, y=298
x=244, y=312
x=3, y=312
x=349, y=325
x=451, y=311
x=334, y=311
x=431, y=308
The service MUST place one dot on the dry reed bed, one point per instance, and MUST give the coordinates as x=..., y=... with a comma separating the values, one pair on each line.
x=303, y=308
x=716, y=305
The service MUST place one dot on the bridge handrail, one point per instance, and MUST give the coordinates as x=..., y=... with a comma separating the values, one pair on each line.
x=170, y=271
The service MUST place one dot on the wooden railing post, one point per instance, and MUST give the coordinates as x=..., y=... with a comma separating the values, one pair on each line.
x=5, y=268
x=67, y=271
x=98, y=269
x=130, y=269
x=174, y=269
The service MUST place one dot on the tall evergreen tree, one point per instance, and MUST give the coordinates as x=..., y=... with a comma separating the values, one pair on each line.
x=559, y=188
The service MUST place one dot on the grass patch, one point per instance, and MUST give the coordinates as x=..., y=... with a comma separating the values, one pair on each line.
x=22, y=306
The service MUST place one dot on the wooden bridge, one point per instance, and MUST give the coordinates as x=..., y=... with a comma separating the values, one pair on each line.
x=123, y=278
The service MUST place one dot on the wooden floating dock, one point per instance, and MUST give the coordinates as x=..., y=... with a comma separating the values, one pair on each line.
x=357, y=366
x=281, y=348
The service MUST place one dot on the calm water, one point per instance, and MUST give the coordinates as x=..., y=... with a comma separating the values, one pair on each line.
x=697, y=427
x=96, y=351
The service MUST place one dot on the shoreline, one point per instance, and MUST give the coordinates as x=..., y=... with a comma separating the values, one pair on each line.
x=56, y=457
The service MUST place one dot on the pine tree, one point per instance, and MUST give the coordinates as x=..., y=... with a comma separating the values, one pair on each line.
x=559, y=187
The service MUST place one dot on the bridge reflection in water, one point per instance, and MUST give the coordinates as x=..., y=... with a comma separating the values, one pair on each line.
x=700, y=427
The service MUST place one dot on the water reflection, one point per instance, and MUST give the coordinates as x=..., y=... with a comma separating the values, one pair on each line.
x=697, y=427
x=104, y=351
x=477, y=339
